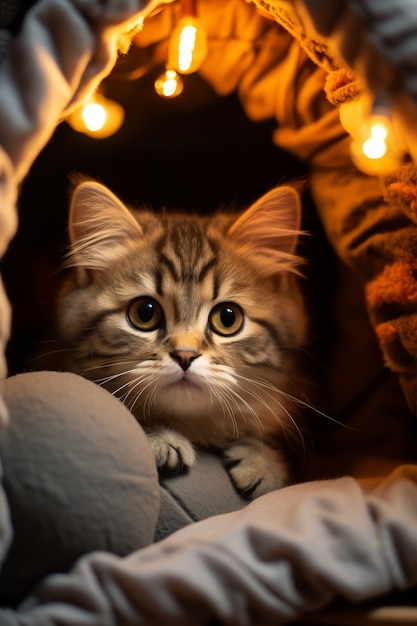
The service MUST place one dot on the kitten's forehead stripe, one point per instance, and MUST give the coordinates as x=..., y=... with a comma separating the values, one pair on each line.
x=158, y=281
x=206, y=269
x=216, y=285
x=191, y=247
x=186, y=252
x=168, y=265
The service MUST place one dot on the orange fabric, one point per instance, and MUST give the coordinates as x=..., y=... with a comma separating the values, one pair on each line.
x=396, y=284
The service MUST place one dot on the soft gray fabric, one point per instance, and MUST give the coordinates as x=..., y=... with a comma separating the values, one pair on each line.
x=9, y=10
x=79, y=476
x=204, y=491
x=5, y=524
x=393, y=38
x=289, y=552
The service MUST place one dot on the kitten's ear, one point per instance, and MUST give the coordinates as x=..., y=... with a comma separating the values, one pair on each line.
x=99, y=224
x=269, y=229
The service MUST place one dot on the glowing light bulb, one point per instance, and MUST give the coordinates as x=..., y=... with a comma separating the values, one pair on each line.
x=375, y=149
x=94, y=116
x=169, y=84
x=188, y=45
x=375, y=146
x=98, y=117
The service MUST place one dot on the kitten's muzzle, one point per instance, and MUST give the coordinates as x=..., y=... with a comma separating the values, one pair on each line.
x=184, y=357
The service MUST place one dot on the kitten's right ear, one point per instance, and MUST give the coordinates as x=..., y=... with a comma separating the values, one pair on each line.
x=269, y=231
x=99, y=223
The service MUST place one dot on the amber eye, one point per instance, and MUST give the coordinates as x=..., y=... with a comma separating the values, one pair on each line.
x=226, y=319
x=145, y=313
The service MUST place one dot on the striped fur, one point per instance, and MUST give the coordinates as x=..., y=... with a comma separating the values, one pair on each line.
x=228, y=317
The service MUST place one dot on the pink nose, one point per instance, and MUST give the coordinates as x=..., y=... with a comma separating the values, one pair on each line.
x=184, y=357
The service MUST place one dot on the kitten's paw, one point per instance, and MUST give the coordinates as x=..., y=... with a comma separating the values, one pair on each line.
x=255, y=468
x=172, y=451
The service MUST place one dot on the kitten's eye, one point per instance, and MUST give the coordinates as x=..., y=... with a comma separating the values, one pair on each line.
x=226, y=319
x=145, y=313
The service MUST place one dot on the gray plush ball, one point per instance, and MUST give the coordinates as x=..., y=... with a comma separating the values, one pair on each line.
x=78, y=474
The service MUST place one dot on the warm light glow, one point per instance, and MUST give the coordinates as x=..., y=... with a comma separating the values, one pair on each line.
x=98, y=117
x=169, y=84
x=94, y=116
x=188, y=45
x=375, y=146
x=375, y=149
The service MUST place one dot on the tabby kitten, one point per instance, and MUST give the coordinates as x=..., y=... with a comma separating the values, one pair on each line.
x=192, y=322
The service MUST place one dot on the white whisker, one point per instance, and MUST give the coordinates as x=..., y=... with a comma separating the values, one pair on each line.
x=141, y=392
x=268, y=385
x=251, y=410
x=313, y=408
x=227, y=408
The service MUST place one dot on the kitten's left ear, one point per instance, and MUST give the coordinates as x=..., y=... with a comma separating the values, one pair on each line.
x=99, y=226
x=270, y=228
x=98, y=216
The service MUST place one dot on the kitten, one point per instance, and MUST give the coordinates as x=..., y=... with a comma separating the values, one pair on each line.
x=193, y=323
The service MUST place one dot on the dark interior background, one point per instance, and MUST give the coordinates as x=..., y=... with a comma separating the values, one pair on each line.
x=197, y=151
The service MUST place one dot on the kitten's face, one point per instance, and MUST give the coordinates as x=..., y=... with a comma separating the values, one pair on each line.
x=179, y=318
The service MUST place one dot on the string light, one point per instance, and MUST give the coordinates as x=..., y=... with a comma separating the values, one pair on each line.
x=375, y=149
x=187, y=51
x=375, y=146
x=94, y=116
x=98, y=117
x=188, y=45
x=169, y=84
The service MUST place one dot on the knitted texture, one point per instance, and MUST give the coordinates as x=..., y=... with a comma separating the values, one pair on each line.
x=392, y=294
